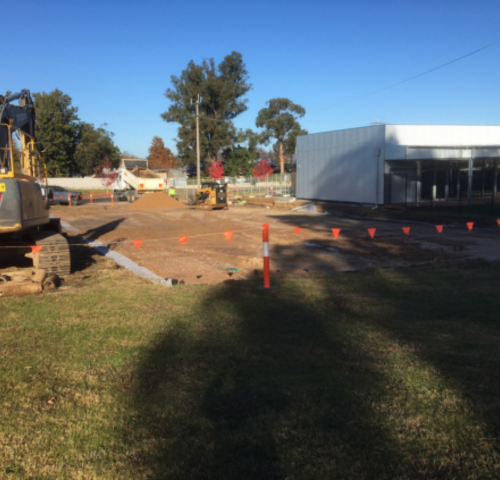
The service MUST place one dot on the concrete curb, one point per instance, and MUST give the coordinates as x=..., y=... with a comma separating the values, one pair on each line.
x=122, y=260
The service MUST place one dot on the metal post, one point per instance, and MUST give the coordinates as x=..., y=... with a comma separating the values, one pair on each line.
x=492, y=201
x=469, y=187
x=197, y=105
x=482, y=187
x=447, y=182
x=377, y=156
x=419, y=182
x=459, y=196
x=198, y=145
x=406, y=190
x=434, y=179
x=495, y=181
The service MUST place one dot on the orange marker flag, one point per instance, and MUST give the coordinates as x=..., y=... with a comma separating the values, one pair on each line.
x=470, y=225
x=298, y=229
x=335, y=232
x=406, y=230
x=183, y=240
x=137, y=243
x=498, y=221
x=439, y=228
x=372, y=231
x=228, y=235
x=36, y=248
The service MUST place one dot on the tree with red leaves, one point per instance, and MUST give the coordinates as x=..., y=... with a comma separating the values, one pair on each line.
x=262, y=169
x=106, y=173
x=216, y=170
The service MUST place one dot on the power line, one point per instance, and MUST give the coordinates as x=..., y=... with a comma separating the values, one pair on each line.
x=410, y=78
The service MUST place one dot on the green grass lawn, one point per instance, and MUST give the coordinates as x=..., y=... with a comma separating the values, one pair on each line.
x=379, y=374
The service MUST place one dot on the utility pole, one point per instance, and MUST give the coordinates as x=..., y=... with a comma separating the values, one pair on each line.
x=197, y=105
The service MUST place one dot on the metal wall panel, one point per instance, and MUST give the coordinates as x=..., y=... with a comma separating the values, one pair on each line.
x=443, y=135
x=341, y=165
x=438, y=153
x=395, y=152
x=486, y=152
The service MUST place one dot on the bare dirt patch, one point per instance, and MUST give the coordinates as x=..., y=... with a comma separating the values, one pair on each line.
x=206, y=256
x=157, y=200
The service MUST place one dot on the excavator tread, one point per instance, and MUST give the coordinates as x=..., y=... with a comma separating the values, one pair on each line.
x=54, y=256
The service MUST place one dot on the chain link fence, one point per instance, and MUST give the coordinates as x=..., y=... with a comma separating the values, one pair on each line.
x=272, y=185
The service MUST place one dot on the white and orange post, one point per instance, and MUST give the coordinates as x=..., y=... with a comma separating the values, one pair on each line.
x=265, y=254
x=91, y=195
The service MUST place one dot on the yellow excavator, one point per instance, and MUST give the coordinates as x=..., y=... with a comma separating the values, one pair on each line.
x=24, y=213
x=211, y=196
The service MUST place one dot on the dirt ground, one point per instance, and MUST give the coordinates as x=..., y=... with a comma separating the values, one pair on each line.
x=206, y=255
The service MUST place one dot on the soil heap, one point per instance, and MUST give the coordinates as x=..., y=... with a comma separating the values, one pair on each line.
x=151, y=201
x=144, y=173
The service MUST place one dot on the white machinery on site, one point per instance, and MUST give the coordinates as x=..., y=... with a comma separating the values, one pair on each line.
x=135, y=179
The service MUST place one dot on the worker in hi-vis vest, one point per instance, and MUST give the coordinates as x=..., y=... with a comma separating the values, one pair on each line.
x=171, y=191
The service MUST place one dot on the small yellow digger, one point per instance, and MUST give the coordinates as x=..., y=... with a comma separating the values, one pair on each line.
x=211, y=196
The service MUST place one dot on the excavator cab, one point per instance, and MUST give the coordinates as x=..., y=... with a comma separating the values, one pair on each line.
x=23, y=206
x=211, y=196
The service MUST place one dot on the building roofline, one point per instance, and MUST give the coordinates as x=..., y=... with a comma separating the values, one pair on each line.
x=438, y=125
x=343, y=129
x=402, y=125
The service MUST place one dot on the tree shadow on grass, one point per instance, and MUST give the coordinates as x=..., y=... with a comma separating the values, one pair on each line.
x=261, y=385
x=449, y=315
x=292, y=384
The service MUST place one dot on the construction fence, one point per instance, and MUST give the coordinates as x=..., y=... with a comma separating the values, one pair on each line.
x=273, y=185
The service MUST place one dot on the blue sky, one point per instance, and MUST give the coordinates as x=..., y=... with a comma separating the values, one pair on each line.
x=115, y=58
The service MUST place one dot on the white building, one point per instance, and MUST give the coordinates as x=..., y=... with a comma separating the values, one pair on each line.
x=391, y=164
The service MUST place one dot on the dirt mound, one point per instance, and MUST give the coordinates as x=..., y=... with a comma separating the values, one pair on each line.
x=144, y=173
x=156, y=200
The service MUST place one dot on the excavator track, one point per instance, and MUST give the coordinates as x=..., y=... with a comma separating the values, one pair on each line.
x=54, y=257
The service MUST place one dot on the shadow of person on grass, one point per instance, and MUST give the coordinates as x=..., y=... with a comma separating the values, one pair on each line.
x=260, y=385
